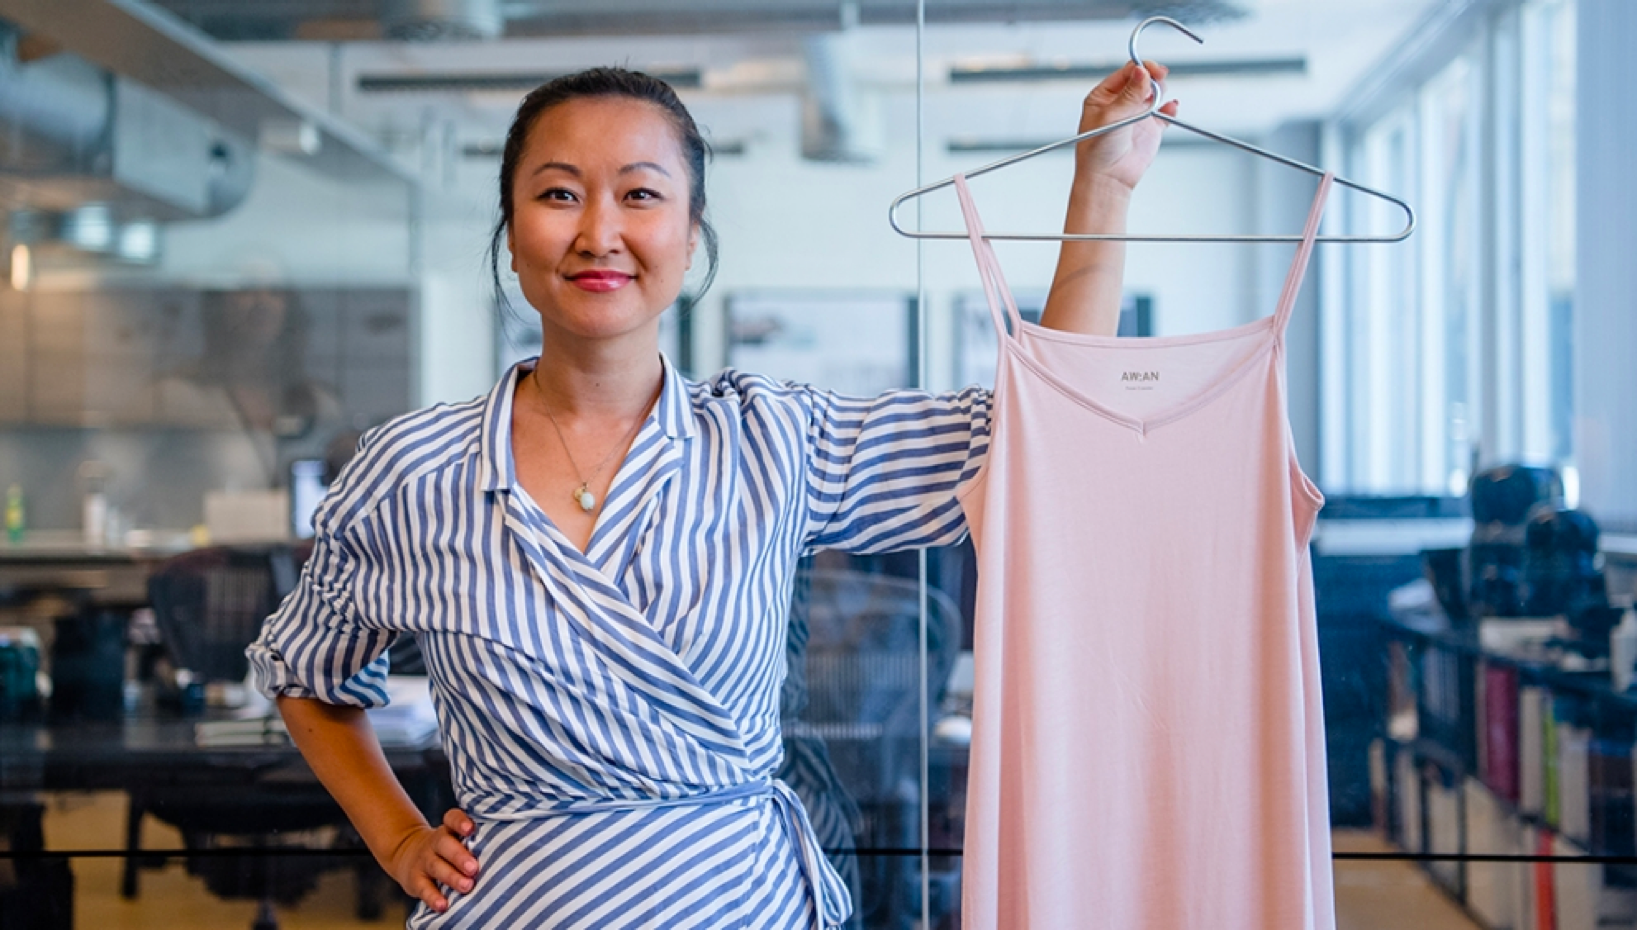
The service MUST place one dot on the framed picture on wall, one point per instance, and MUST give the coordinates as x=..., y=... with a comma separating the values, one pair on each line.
x=975, y=345
x=859, y=343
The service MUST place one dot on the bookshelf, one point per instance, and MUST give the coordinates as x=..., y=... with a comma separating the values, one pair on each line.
x=1494, y=758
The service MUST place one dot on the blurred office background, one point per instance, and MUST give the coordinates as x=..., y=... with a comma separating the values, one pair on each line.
x=236, y=235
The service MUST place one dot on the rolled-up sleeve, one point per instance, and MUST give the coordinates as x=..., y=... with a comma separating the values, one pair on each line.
x=886, y=472
x=318, y=644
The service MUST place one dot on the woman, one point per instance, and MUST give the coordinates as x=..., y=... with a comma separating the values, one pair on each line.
x=605, y=640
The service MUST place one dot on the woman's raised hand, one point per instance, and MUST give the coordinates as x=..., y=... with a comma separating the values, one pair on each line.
x=1086, y=288
x=1121, y=156
x=429, y=859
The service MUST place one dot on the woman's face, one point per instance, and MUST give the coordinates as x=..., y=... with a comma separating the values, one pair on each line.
x=600, y=235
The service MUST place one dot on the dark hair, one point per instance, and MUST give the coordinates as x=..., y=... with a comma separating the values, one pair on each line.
x=605, y=82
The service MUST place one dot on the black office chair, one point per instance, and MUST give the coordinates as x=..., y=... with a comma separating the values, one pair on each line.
x=209, y=605
x=852, y=723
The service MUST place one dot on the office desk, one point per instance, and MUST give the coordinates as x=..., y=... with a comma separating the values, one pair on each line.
x=149, y=757
x=61, y=563
x=155, y=758
x=160, y=751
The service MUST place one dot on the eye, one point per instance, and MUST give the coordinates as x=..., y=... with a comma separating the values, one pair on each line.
x=643, y=194
x=557, y=194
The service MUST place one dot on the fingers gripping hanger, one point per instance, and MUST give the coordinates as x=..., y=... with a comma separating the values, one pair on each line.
x=1154, y=112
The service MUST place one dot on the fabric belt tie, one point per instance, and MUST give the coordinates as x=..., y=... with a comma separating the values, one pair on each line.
x=829, y=892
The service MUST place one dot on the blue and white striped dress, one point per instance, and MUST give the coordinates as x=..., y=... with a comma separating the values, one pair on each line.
x=611, y=718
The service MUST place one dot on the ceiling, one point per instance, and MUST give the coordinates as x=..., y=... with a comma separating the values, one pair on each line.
x=343, y=20
x=997, y=72
x=1263, y=62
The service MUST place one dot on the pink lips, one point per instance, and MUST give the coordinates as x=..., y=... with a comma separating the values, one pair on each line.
x=600, y=281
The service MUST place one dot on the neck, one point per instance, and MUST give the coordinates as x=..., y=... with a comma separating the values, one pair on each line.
x=599, y=381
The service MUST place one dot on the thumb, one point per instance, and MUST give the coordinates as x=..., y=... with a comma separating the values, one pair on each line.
x=1138, y=88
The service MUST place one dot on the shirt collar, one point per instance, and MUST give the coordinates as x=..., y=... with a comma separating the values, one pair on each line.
x=495, y=450
x=672, y=413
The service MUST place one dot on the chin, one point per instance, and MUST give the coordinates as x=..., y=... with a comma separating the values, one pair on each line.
x=611, y=326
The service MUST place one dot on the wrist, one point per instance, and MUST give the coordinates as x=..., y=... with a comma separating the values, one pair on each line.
x=1097, y=205
x=1098, y=191
x=390, y=845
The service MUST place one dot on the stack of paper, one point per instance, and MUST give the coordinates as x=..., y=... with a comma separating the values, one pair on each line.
x=409, y=719
x=250, y=731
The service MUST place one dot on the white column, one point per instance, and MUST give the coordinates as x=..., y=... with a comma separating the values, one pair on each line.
x=1605, y=311
x=1283, y=198
x=456, y=337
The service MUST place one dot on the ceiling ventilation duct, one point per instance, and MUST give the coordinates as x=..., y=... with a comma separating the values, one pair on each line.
x=438, y=20
x=94, y=161
x=62, y=104
x=839, y=120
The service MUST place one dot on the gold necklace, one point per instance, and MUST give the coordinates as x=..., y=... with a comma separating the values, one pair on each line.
x=582, y=495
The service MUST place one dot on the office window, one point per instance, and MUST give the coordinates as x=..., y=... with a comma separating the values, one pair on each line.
x=1448, y=112
x=1458, y=352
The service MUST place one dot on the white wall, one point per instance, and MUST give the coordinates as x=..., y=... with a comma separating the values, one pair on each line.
x=299, y=226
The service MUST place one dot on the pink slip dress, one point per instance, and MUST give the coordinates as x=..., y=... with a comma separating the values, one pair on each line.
x=1148, y=736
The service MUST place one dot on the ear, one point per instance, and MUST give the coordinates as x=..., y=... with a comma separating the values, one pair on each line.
x=693, y=242
x=511, y=250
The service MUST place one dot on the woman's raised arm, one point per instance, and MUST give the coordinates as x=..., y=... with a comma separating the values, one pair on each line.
x=1085, y=294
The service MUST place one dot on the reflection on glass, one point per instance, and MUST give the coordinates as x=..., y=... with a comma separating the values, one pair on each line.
x=851, y=717
x=251, y=375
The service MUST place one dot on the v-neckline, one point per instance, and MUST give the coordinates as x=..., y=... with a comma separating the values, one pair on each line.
x=1264, y=326
x=649, y=433
x=596, y=553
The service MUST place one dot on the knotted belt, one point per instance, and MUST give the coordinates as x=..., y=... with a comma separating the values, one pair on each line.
x=829, y=893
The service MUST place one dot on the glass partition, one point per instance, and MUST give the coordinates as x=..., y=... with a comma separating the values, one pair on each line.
x=247, y=235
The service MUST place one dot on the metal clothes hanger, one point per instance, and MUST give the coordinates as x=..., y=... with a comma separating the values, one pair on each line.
x=1153, y=111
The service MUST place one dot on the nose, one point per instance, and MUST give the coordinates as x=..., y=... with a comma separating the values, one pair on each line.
x=600, y=231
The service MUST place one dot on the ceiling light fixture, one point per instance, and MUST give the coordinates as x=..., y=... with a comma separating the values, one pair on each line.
x=1244, y=67
x=22, y=267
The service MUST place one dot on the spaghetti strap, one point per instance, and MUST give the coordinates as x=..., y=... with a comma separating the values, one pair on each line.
x=994, y=281
x=1304, y=252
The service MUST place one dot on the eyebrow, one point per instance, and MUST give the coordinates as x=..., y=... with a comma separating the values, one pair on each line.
x=575, y=171
x=636, y=166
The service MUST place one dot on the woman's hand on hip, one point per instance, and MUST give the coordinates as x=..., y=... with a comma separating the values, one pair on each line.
x=429, y=859
x=1121, y=156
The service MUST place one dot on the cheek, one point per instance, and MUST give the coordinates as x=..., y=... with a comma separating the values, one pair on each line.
x=537, y=239
x=673, y=246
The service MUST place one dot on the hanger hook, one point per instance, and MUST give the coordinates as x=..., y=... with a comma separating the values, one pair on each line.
x=1137, y=32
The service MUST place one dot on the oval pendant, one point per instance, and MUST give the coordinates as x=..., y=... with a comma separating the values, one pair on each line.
x=585, y=499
